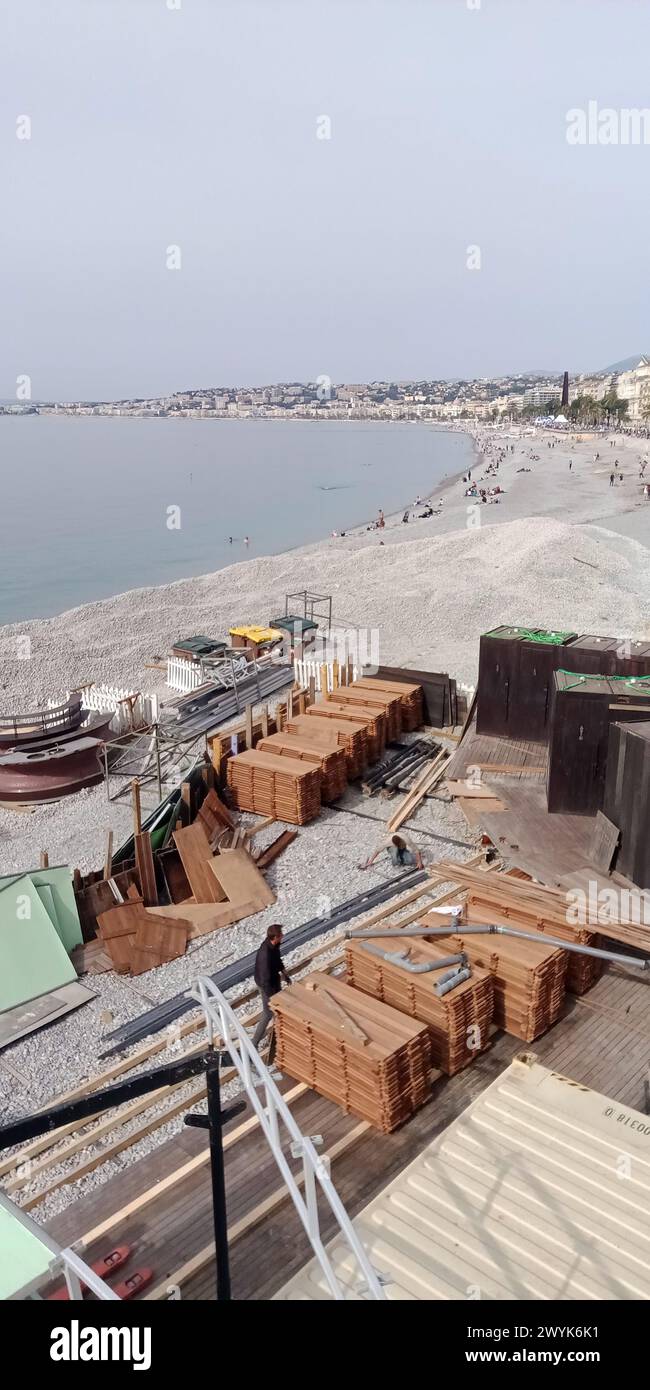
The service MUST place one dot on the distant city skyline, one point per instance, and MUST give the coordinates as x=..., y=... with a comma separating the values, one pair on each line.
x=266, y=191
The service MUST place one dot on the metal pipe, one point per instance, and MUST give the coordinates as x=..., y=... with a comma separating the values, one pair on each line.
x=455, y=977
x=399, y=958
x=473, y=930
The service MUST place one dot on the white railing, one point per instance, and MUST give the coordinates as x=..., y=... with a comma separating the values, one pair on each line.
x=305, y=669
x=131, y=708
x=222, y=1021
x=183, y=675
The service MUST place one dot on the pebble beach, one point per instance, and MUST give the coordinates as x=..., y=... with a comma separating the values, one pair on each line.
x=560, y=548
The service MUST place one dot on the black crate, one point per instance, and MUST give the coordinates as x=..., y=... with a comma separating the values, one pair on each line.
x=516, y=666
x=627, y=798
x=540, y=656
x=607, y=656
x=583, y=709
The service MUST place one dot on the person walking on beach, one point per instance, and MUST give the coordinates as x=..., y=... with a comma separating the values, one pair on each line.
x=269, y=970
x=611, y=480
x=570, y=464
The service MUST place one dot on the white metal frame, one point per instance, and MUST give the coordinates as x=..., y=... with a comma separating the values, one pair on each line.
x=64, y=1261
x=222, y=1021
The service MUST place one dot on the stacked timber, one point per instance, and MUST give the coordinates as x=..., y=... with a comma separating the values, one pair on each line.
x=335, y=733
x=285, y=788
x=331, y=761
x=411, y=698
x=386, y=700
x=458, y=1022
x=529, y=980
x=374, y=718
x=510, y=901
x=366, y=1057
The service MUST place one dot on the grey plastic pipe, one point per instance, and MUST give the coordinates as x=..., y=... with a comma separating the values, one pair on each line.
x=493, y=930
x=399, y=958
x=449, y=982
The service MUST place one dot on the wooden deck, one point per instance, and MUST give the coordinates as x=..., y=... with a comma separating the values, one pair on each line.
x=602, y=1041
x=518, y=823
x=524, y=760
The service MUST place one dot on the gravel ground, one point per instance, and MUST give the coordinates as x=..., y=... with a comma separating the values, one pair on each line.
x=27, y=1083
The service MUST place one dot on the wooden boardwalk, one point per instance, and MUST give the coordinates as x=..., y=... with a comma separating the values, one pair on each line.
x=602, y=1041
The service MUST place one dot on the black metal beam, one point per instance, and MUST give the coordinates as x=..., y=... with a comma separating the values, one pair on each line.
x=75, y=1111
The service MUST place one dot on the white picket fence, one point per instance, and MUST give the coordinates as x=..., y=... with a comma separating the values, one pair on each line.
x=304, y=670
x=183, y=676
x=132, y=709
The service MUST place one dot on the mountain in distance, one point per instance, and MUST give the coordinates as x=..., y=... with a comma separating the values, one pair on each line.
x=625, y=365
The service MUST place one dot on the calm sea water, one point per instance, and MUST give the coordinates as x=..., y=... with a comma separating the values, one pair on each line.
x=84, y=503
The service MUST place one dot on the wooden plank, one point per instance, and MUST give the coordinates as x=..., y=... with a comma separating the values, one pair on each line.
x=159, y=1189
x=604, y=842
x=146, y=868
x=345, y=1018
x=192, y=845
x=252, y=1218
x=157, y=941
x=135, y=802
x=254, y=830
x=431, y=774
x=202, y=918
x=240, y=879
x=467, y=790
x=275, y=848
x=108, y=862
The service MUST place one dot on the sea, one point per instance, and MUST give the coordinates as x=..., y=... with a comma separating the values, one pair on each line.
x=92, y=506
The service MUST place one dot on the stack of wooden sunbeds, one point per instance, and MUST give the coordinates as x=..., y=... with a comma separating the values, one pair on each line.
x=411, y=698
x=366, y=1057
x=331, y=761
x=335, y=733
x=374, y=720
x=508, y=900
x=284, y=787
x=458, y=1022
x=529, y=980
x=365, y=694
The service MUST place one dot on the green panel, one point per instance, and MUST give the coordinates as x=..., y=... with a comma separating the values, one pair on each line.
x=32, y=958
x=65, y=904
x=65, y=916
x=24, y=1257
x=47, y=898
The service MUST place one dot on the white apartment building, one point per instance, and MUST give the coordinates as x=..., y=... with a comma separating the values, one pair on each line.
x=634, y=387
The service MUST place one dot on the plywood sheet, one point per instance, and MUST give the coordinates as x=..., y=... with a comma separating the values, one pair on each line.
x=240, y=878
x=157, y=940
x=604, y=841
x=37, y=1013
x=196, y=856
x=202, y=918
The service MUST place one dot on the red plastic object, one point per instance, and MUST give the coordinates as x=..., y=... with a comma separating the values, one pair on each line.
x=103, y=1267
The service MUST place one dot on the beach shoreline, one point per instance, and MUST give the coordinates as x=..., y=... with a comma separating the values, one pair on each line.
x=561, y=548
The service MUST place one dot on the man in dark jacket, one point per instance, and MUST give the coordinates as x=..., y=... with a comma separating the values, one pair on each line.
x=269, y=970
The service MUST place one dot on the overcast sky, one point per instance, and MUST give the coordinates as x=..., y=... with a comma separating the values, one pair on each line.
x=197, y=127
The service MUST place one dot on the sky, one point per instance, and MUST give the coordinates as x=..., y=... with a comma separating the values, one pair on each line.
x=198, y=125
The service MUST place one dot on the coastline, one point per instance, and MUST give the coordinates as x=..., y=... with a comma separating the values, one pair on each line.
x=116, y=640
x=283, y=489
